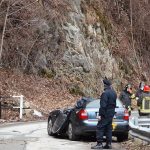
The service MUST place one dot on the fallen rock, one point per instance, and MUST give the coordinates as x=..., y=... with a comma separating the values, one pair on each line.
x=37, y=113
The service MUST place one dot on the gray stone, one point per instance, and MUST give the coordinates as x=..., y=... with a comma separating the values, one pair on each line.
x=26, y=104
x=87, y=49
x=28, y=113
x=41, y=61
x=43, y=26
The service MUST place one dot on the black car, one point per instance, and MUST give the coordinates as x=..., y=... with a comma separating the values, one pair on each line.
x=81, y=120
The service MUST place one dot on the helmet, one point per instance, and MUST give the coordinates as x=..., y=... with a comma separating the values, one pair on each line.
x=146, y=88
x=128, y=86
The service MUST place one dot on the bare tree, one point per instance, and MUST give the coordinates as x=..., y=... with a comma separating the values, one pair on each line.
x=4, y=27
x=23, y=38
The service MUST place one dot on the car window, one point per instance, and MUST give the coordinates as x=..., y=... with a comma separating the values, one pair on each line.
x=93, y=104
x=96, y=104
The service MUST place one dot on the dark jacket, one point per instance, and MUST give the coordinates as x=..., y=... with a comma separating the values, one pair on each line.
x=125, y=98
x=107, y=103
x=138, y=93
x=142, y=96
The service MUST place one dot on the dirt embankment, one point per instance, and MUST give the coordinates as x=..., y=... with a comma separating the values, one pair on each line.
x=42, y=94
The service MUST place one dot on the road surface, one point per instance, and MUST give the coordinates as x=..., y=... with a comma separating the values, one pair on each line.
x=33, y=136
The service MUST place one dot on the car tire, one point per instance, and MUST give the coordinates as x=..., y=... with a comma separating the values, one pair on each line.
x=122, y=137
x=71, y=134
x=49, y=127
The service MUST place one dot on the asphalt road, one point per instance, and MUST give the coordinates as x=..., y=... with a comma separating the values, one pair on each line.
x=33, y=136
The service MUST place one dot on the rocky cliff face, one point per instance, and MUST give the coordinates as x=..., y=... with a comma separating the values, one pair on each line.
x=87, y=53
x=77, y=42
x=84, y=54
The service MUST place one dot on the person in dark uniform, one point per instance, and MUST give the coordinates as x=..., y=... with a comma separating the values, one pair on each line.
x=106, y=114
x=140, y=90
x=139, y=93
x=126, y=96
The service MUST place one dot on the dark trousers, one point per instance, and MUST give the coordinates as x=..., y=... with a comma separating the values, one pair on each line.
x=104, y=127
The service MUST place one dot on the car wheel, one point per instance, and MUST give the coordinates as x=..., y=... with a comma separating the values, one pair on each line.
x=49, y=128
x=122, y=137
x=71, y=134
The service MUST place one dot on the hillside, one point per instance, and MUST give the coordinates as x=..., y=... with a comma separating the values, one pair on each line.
x=53, y=51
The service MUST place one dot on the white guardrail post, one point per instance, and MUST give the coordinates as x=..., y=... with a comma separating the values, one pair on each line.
x=20, y=105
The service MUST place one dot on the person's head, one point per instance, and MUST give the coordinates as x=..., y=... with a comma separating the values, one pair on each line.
x=128, y=88
x=107, y=83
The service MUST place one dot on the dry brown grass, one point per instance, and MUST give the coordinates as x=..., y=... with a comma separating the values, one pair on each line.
x=43, y=94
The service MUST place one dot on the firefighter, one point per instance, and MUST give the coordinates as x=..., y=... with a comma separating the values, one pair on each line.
x=126, y=96
x=140, y=90
x=106, y=114
x=145, y=93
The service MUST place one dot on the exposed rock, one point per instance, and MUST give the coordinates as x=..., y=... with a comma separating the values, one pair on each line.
x=28, y=113
x=76, y=42
x=37, y=113
x=43, y=26
x=87, y=48
x=41, y=61
x=27, y=105
x=2, y=120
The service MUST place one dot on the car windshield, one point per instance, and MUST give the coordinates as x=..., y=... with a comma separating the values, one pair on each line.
x=96, y=104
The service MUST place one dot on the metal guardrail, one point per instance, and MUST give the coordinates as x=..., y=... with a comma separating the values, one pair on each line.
x=140, y=128
x=144, y=122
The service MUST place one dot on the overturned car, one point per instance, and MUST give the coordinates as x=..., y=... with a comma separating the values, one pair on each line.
x=81, y=120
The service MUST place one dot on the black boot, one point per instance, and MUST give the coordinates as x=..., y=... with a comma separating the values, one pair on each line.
x=107, y=146
x=97, y=146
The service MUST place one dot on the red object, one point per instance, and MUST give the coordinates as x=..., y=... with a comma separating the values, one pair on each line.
x=83, y=114
x=146, y=88
x=126, y=115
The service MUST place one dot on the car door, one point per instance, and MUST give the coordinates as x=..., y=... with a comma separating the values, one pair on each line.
x=61, y=120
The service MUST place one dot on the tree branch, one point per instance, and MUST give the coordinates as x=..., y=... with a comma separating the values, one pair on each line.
x=4, y=28
x=1, y=2
x=22, y=8
x=132, y=36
